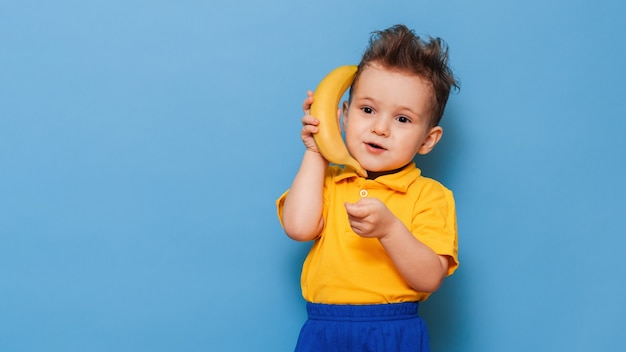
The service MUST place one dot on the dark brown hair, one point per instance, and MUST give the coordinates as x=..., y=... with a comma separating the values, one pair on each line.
x=399, y=48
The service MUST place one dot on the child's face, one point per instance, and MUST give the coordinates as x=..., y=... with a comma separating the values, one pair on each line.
x=388, y=121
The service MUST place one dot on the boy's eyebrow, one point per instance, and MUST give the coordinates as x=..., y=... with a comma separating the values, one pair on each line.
x=365, y=98
x=402, y=107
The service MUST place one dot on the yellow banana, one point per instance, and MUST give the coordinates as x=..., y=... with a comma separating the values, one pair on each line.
x=324, y=108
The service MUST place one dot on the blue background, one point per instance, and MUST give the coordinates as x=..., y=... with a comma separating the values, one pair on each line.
x=143, y=144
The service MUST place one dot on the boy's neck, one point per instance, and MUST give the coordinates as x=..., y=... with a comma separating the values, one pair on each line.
x=371, y=175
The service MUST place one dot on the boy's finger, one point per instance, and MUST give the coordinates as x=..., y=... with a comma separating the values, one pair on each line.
x=355, y=210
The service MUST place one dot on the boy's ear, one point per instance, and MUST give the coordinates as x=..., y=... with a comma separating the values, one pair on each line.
x=432, y=138
x=344, y=108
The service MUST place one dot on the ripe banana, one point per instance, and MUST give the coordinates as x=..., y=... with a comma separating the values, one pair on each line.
x=325, y=103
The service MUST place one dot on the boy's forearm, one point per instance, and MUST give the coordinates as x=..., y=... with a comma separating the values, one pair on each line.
x=422, y=268
x=302, y=211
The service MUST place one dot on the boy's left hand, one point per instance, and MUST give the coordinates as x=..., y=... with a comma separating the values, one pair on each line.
x=369, y=217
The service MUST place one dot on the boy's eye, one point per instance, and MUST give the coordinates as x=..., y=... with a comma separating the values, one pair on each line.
x=403, y=119
x=367, y=110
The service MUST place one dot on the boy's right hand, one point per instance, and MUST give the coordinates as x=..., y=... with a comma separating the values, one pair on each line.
x=309, y=124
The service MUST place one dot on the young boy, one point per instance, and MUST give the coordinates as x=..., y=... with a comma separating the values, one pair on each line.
x=385, y=242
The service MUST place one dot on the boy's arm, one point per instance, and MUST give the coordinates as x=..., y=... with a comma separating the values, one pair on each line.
x=302, y=210
x=422, y=268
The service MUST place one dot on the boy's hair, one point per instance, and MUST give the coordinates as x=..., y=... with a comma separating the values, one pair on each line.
x=399, y=48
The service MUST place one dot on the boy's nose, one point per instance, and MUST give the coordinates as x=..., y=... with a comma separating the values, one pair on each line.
x=380, y=127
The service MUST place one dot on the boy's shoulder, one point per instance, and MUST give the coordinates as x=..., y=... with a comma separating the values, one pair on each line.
x=431, y=181
x=430, y=191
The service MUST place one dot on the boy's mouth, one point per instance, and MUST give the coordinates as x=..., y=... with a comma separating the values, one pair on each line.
x=375, y=146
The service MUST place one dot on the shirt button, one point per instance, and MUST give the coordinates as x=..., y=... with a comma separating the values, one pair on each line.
x=363, y=193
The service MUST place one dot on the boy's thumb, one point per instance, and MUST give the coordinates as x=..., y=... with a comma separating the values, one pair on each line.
x=352, y=208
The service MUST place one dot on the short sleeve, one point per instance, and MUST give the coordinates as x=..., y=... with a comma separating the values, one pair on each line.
x=280, y=202
x=434, y=222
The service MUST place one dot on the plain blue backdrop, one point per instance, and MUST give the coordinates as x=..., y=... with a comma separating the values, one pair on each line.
x=143, y=145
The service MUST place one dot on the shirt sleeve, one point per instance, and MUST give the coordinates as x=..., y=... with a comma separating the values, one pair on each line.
x=434, y=222
x=280, y=202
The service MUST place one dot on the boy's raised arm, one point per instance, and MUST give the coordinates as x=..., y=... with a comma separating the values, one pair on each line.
x=302, y=211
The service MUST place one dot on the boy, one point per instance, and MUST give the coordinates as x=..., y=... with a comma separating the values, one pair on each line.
x=385, y=242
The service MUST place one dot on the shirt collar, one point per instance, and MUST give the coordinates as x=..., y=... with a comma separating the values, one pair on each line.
x=398, y=181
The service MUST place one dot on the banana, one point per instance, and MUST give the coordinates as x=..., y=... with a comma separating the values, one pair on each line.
x=325, y=103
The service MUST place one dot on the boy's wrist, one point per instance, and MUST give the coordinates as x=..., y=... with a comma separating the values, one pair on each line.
x=392, y=231
x=314, y=154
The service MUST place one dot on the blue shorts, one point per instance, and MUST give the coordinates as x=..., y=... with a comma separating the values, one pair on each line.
x=378, y=327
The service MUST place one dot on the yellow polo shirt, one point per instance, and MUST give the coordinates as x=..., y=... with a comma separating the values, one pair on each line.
x=344, y=268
